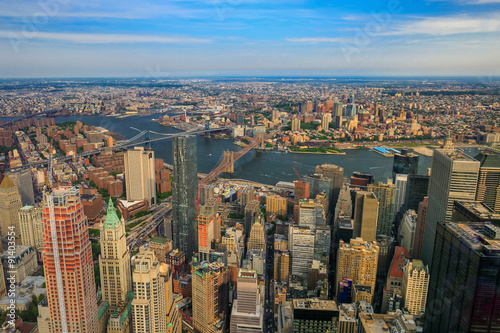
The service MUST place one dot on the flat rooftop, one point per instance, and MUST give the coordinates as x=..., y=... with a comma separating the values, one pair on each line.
x=478, y=235
x=314, y=304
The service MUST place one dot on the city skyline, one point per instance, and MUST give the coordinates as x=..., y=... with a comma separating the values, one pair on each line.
x=57, y=38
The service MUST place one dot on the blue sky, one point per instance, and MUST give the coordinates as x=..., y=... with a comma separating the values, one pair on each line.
x=124, y=38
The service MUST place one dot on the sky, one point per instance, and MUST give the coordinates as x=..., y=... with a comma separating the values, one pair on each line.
x=168, y=38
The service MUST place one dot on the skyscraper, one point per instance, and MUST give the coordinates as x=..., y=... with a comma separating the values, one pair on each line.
x=405, y=163
x=295, y=124
x=358, y=261
x=140, y=175
x=276, y=205
x=336, y=174
x=325, y=121
x=401, y=182
x=184, y=187
x=301, y=192
x=209, y=223
x=420, y=228
x=148, y=307
x=366, y=208
x=10, y=203
x=30, y=221
x=210, y=296
x=75, y=259
x=453, y=177
x=257, y=237
x=247, y=314
x=114, y=261
x=301, y=244
x=416, y=190
x=24, y=183
x=489, y=180
x=385, y=196
x=465, y=279
x=337, y=109
x=415, y=286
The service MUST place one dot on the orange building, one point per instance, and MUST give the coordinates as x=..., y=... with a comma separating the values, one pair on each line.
x=209, y=225
x=77, y=291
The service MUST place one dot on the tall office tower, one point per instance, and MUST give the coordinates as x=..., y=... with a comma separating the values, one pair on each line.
x=247, y=314
x=140, y=175
x=252, y=210
x=281, y=265
x=465, y=279
x=325, y=121
x=401, y=183
x=210, y=296
x=301, y=244
x=257, y=237
x=275, y=116
x=319, y=183
x=350, y=110
x=405, y=163
x=174, y=320
x=276, y=205
x=418, y=242
x=416, y=190
x=24, y=183
x=247, y=195
x=338, y=121
x=385, y=195
x=30, y=221
x=337, y=109
x=209, y=225
x=114, y=261
x=393, y=288
x=336, y=174
x=407, y=229
x=322, y=242
x=385, y=254
x=358, y=261
x=454, y=177
x=415, y=286
x=10, y=203
x=311, y=214
x=301, y=193
x=295, y=124
x=148, y=306
x=184, y=187
x=366, y=208
x=488, y=186
x=75, y=260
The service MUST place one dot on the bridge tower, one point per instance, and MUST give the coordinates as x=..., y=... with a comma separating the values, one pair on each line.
x=147, y=136
x=260, y=137
x=207, y=127
x=228, y=157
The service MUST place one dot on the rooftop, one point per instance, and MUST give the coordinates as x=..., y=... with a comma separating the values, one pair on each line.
x=479, y=236
x=398, y=262
x=314, y=304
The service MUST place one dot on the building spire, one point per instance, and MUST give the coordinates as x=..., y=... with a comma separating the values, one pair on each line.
x=111, y=216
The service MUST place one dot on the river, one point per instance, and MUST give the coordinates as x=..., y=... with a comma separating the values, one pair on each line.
x=267, y=167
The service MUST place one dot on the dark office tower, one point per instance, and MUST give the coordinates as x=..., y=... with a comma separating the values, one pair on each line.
x=489, y=180
x=418, y=239
x=319, y=183
x=416, y=190
x=184, y=189
x=464, y=288
x=240, y=119
x=336, y=174
x=453, y=177
x=405, y=163
x=385, y=195
x=337, y=109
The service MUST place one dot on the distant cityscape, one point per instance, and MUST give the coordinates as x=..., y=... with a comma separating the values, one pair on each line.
x=99, y=234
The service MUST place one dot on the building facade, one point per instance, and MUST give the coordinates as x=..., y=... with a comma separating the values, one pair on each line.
x=140, y=175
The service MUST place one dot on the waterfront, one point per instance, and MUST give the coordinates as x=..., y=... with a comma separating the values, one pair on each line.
x=266, y=167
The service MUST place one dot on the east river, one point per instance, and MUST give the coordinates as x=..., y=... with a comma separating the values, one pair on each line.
x=267, y=167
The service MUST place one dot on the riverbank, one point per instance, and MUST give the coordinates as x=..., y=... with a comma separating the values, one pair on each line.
x=315, y=152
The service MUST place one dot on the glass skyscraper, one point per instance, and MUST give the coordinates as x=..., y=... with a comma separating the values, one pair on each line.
x=184, y=189
x=465, y=279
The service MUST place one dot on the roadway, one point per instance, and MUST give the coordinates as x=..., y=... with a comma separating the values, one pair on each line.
x=136, y=236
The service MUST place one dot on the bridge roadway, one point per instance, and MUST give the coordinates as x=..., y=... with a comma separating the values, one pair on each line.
x=126, y=144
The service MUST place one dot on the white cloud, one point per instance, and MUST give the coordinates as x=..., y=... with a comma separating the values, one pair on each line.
x=462, y=24
x=86, y=38
x=316, y=40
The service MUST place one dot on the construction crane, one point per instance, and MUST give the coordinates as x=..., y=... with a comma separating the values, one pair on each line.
x=297, y=173
x=49, y=198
